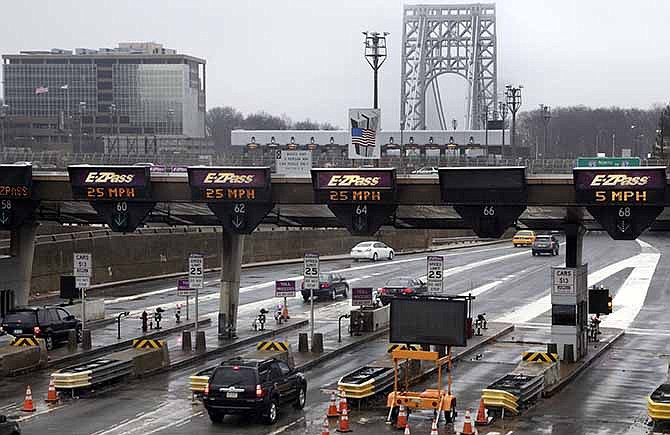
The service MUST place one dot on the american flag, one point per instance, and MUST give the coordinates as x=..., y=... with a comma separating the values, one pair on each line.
x=41, y=90
x=363, y=137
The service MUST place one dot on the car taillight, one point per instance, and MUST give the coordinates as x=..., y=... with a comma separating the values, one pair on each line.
x=382, y=291
x=206, y=392
x=407, y=291
x=325, y=285
x=36, y=330
x=259, y=391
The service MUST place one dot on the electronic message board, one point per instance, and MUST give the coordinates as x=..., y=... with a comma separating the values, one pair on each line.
x=239, y=196
x=428, y=321
x=16, y=190
x=625, y=201
x=121, y=195
x=490, y=200
x=361, y=198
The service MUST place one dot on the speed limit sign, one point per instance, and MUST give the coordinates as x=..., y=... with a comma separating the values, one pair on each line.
x=435, y=274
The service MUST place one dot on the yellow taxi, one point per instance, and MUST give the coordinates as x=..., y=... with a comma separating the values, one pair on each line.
x=523, y=238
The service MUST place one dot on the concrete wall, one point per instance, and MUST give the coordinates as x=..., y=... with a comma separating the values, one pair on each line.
x=117, y=257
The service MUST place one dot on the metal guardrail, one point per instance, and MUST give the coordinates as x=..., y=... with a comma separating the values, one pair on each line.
x=525, y=389
x=91, y=374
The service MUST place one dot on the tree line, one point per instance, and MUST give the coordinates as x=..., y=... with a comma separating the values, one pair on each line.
x=583, y=131
x=220, y=121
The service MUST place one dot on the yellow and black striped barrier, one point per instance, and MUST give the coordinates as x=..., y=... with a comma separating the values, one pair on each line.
x=25, y=341
x=541, y=357
x=658, y=411
x=276, y=346
x=147, y=343
x=391, y=347
x=501, y=399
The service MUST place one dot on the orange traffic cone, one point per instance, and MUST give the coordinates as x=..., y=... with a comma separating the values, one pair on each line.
x=402, y=418
x=433, y=427
x=467, y=425
x=407, y=432
x=28, y=405
x=326, y=427
x=52, y=396
x=332, y=407
x=482, y=417
x=344, y=421
x=343, y=401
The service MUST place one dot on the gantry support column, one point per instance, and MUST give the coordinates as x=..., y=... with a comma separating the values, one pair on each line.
x=22, y=250
x=231, y=266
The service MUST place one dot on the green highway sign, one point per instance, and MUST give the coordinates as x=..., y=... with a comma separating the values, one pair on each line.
x=607, y=162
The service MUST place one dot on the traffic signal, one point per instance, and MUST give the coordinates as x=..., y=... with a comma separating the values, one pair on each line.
x=609, y=303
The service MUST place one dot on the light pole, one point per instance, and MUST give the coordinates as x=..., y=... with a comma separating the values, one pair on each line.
x=613, y=141
x=4, y=110
x=546, y=117
x=82, y=109
x=513, y=98
x=115, y=121
x=454, y=124
x=502, y=109
x=375, y=54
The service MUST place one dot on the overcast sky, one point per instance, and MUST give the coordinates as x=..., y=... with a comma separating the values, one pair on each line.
x=303, y=58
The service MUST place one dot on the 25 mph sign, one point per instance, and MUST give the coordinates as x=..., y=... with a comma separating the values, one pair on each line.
x=435, y=274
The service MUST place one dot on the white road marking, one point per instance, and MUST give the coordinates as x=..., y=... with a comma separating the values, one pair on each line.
x=266, y=284
x=286, y=427
x=633, y=291
x=481, y=289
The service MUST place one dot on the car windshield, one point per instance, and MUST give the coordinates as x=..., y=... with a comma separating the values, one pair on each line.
x=524, y=233
x=543, y=238
x=398, y=282
x=324, y=277
x=234, y=375
x=20, y=317
x=364, y=245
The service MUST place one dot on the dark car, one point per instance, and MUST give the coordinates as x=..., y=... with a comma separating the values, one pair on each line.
x=330, y=284
x=254, y=387
x=545, y=244
x=50, y=323
x=401, y=286
x=9, y=427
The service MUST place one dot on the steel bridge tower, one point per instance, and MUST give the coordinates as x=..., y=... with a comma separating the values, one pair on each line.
x=440, y=39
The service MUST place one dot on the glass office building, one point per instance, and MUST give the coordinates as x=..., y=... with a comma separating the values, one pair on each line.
x=82, y=100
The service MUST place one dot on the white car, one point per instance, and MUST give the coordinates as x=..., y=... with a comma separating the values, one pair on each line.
x=371, y=251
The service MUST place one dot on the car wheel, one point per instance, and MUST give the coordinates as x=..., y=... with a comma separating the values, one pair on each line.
x=49, y=341
x=302, y=398
x=271, y=415
x=374, y=257
x=390, y=255
x=333, y=294
x=80, y=335
x=346, y=291
x=216, y=417
x=305, y=298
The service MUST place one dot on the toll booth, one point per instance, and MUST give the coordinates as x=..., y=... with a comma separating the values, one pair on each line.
x=569, y=312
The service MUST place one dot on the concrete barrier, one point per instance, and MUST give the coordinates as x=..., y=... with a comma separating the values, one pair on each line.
x=20, y=359
x=145, y=360
x=95, y=309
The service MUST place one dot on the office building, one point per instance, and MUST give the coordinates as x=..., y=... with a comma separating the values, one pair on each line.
x=97, y=100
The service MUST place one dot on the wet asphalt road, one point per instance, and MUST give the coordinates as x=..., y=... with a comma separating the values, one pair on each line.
x=609, y=398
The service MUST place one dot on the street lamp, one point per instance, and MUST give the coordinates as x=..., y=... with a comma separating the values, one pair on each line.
x=513, y=98
x=546, y=117
x=4, y=110
x=502, y=109
x=82, y=109
x=375, y=54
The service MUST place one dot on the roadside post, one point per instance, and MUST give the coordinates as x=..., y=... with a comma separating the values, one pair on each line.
x=311, y=280
x=285, y=289
x=196, y=280
x=82, y=274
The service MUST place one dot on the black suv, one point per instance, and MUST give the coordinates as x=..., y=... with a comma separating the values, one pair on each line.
x=9, y=427
x=253, y=386
x=50, y=323
x=330, y=284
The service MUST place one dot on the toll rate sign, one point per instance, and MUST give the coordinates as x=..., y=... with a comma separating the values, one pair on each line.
x=16, y=190
x=625, y=201
x=361, y=199
x=489, y=200
x=240, y=197
x=121, y=195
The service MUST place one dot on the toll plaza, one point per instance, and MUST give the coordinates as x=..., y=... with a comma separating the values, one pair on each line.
x=624, y=201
